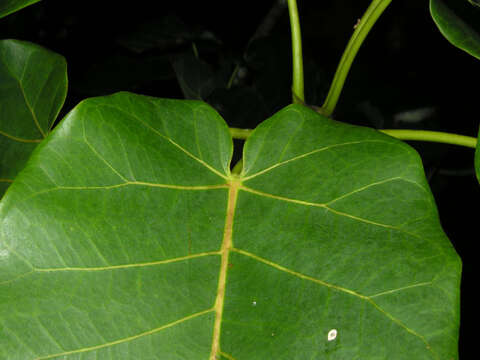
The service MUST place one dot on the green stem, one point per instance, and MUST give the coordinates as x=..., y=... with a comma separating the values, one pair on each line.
x=237, y=169
x=362, y=29
x=402, y=134
x=241, y=134
x=433, y=136
x=298, y=95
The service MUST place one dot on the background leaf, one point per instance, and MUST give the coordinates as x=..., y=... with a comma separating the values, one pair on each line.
x=33, y=87
x=10, y=6
x=126, y=237
x=454, y=28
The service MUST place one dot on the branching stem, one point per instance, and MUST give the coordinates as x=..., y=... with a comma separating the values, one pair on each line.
x=402, y=134
x=432, y=136
x=297, y=57
x=362, y=28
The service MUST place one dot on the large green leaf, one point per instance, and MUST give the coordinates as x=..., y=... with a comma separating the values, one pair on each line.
x=33, y=87
x=127, y=237
x=454, y=27
x=10, y=6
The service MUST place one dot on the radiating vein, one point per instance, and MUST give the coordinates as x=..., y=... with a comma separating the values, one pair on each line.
x=18, y=277
x=387, y=292
x=128, y=266
x=127, y=339
x=320, y=205
x=297, y=274
x=270, y=168
x=360, y=189
x=15, y=138
x=102, y=158
x=341, y=289
x=29, y=106
x=227, y=356
x=143, y=183
x=171, y=141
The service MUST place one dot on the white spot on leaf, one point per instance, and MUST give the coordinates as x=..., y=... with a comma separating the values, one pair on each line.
x=332, y=334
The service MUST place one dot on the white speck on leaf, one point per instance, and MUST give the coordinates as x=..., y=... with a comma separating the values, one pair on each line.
x=254, y=303
x=332, y=334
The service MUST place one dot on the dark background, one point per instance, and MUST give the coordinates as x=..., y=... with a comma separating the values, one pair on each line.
x=193, y=49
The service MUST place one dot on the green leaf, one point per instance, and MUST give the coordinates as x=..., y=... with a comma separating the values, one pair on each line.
x=127, y=237
x=454, y=27
x=10, y=6
x=33, y=87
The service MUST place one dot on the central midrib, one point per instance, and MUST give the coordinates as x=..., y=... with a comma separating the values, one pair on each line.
x=222, y=279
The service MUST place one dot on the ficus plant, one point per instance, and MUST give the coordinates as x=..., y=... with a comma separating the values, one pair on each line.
x=127, y=233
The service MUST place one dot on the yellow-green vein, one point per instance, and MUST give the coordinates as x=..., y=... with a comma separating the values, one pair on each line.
x=297, y=274
x=222, y=278
x=15, y=138
x=308, y=154
x=215, y=171
x=320, y=205
x=30, y=108
x=128, y=266
x=227, y=356
x=341, y=289
x=387, y=292
x=127, y=339
x=143, y=183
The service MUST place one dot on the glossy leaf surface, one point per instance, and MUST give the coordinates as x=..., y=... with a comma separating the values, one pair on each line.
x=33, y=87
x=454, y=28
x=126, y=237
x=10, y=6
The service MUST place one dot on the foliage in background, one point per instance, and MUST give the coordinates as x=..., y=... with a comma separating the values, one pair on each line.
x=33, y=87
x=10, y=6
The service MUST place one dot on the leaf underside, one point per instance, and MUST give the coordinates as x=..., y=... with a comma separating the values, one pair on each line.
x=126, y=237
x=33, y=87
x=454, y=28
x=10, y=6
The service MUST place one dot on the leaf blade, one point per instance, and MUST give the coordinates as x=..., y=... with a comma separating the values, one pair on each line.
x=345, y=236
x=33, y=90
x=455, y=29
x=10, y=6
x=256, y=264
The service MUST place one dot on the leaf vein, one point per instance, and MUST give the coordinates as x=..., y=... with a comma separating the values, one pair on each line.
x=127, y=339
x=338, y=288
x=128, y=266
x=301, y=156
x=181, y=148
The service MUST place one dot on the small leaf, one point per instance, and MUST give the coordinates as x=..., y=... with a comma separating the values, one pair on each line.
x=126, y=237
x=455, y=28
x=10, y=6
x=195, y=77
x=33, y=87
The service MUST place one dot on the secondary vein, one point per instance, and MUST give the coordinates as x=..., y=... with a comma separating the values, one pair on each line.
x=130, y=338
